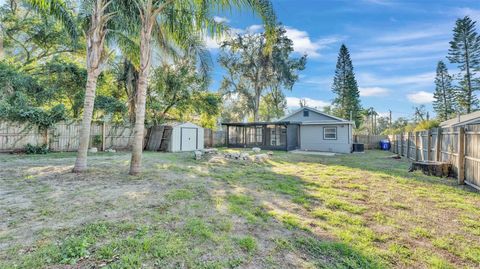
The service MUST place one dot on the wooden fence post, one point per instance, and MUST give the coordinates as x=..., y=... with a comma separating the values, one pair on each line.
x=461, y=155
x=438, y=145
x=103, y=135
x=400, y=151
x=47, y=143
x=408, y=145
x=416, y=146
x=429, y=144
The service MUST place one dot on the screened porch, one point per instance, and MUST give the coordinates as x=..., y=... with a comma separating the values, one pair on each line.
x=265, y=135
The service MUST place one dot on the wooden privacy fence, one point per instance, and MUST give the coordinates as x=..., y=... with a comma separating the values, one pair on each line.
x=369, y=141
x=63, y=136
x=459, y=146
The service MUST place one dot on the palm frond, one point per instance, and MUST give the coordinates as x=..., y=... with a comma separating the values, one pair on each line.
x=59, y=10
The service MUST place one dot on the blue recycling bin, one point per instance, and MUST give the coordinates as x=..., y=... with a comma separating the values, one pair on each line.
x=385, y=144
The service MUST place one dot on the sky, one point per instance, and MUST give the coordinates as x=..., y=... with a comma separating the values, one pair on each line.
x=394, y=45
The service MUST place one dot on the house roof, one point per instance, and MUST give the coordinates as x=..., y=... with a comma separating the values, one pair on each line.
x=471, y=118
x=326, y=122
x=316, y=111
x=261, y=123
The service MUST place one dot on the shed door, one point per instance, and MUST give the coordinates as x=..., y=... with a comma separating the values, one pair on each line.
x=188, y=139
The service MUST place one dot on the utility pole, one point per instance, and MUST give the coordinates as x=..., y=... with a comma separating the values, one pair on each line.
x=390, y=118
x=428, y=116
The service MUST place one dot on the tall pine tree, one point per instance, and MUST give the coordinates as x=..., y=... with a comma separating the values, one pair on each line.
x=465, y=51
x=444, y=95
x=345, y=87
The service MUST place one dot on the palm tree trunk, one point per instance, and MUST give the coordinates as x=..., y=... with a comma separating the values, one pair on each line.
x=95, y=43
x=145, y=51
x=84, y=139
x=131, y=77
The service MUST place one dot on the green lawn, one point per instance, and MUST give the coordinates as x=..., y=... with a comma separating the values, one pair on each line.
x=294, y=211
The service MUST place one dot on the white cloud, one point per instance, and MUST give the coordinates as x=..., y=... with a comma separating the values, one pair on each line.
x=380, y=2
x=383, y=114
x=420, y=97
x=373, y=91
x=214, y=43
x=397, y=51
x=410, y=35
x=294, y=102
x=474, y=14
x=221, y=19
x=321, y=82
x=302, y=43
x=255, y=28
x=412, y=81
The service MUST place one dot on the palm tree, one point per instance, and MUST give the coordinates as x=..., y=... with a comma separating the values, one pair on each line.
x=95, y=35
x=177, y=20
x=103, y=24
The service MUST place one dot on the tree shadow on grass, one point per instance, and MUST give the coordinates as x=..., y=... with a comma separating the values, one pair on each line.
x=253, y=188
x=380, y=163
x=351, y=203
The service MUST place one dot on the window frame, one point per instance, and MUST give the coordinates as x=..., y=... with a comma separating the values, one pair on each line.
x=306, y=113
x=336, y=133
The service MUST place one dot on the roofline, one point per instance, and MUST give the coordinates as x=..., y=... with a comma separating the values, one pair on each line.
x=314, y=110
x=455, y=121
x=261, y=123
x=466, y=122
x=327, y=123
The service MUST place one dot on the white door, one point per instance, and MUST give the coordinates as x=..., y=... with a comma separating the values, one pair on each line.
x=188, y=140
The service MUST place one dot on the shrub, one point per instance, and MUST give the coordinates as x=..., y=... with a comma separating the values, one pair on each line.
x=32, y=149
x=426, y=125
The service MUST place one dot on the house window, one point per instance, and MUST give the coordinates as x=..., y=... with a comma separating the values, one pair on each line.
x=329, y=133
x=306, y=113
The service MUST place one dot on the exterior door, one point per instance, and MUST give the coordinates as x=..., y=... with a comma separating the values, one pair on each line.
x=188, y=139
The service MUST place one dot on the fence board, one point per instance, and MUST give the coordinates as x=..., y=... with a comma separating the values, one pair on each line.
x=442, y=145
x=472, y=154
x=63, y=136
x=369, y=141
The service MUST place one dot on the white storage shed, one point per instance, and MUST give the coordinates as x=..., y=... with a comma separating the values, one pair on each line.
x=185, y=137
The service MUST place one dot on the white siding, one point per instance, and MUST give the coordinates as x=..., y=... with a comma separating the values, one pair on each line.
x=311, y=138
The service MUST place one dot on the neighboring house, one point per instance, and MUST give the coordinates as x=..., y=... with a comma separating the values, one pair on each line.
x=304, y=129
x=461, y=120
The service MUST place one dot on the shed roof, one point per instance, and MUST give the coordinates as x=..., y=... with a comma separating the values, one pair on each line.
x=175, y=124
x=471, y=118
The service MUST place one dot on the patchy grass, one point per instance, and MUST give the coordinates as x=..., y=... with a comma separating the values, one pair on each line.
x=294, y=211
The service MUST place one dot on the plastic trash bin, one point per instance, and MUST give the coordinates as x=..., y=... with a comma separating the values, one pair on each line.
x=385, y=144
